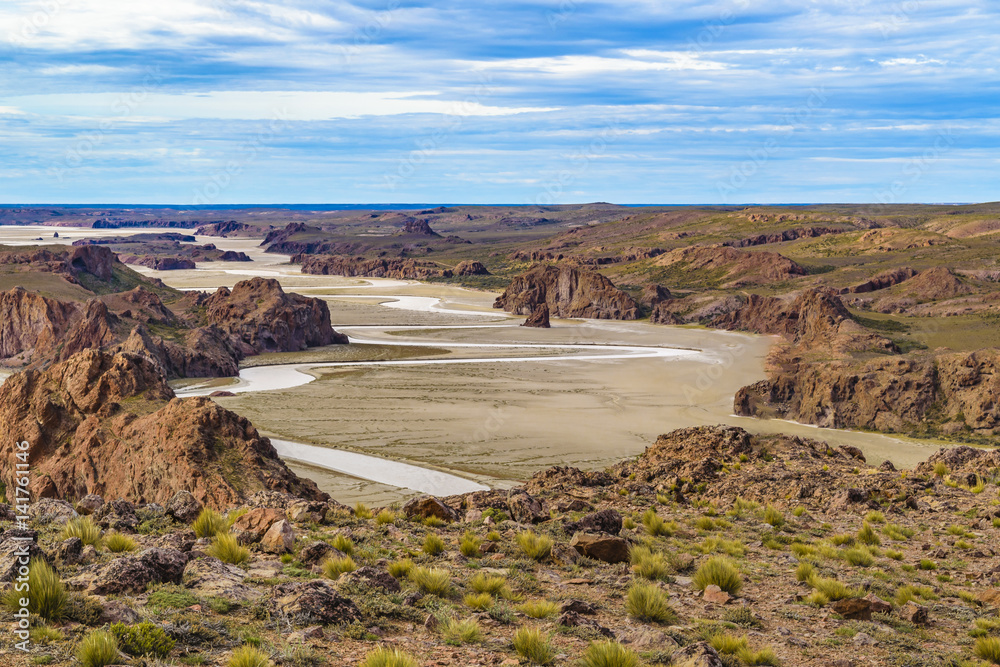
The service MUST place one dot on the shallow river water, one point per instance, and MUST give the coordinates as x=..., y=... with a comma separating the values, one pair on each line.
x=476, y=400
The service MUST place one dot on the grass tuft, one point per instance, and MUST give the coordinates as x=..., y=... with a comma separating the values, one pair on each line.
x=457, y=632
x=248, y=656
x=84, y=528
x=46, y=594
x=209, y=523
x=433, y=545
x=535, y=546
x=539, y=608
x=228, y=549
x=431, y=581
x=334, y=567
x=119, y=543
x=721, y=572
x=609, y=654
x=647, y=602
x=98, y=649
x=388, y=657
x=533, y=646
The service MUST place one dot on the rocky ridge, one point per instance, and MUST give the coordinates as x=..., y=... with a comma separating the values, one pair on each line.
x=568, y=292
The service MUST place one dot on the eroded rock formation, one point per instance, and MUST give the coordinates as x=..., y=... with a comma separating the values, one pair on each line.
x=109, y=424
x=568, y=292
x=400, y=269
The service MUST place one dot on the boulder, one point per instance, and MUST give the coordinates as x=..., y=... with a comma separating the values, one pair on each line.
x=211, y=577
x=373, y=577
x=571, y=619
x=578, y=607
x=425, y=507
x=316, y=601
x=17, y=544
x=168, y=564
x=252, y=526
x=279, y=538
x=117, y=515
x=607, y=548
x=315, y=553
x=914, y=613
x=853, y=609
x=70, y=551
x=183, y=506
x=539, y=317
x=524, y=508
x=568, y=292
x=606, y=521
x=116, y=611
x=89, y=504
x=50, y=510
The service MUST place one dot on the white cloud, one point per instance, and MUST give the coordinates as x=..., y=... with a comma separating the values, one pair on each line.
x=259, y=105
x=587, y=65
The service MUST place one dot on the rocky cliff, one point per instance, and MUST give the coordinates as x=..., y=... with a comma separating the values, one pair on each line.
x=207, y=337
x=568, y=292
x=109, y=424
x=69, y=262
x=400, y=269
x=260, y=314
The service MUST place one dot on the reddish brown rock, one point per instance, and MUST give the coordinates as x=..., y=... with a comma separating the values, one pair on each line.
x=252, y=526
x=400, y=269
x=279, y=538
x=84, y=441
x=539, y=317
x=607, y=548
x=568, y=292
x=259, y=313
x=425, y=507
x=853, y=609
x=716, y=595
x=471, y=268
x=914, y=613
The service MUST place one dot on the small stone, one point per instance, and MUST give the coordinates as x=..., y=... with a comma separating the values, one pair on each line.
x=863, y=639
x=524, y=508
x=684, y=582
x=89, y=504
x=914, y=613
x=579, y=607
x=606, y=548
x=315, y=552
x=605, y=521
x=431, y=622
x=879, y=606
x=571, y=619
x=853, y=609
x=183, y=506
x=425, y=507
x=716, y=595
x=839, y=662
x=252, y=526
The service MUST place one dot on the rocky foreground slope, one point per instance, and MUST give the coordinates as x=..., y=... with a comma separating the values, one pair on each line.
x=109, y=424
x=714, y=547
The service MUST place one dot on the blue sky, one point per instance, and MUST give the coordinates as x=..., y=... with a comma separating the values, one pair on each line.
x=635, y=101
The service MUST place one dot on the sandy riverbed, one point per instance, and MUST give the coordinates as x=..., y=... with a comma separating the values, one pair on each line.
x=496, y=422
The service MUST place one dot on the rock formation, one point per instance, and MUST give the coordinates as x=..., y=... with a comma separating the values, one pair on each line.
x=568, y=292
x=471, y=268
x=110, y=425
x=69, y=262
x=209, y=334
x=418, y=227
x=158, y=263
x=784, y=236
x=539, y=317
x=258, y=313
x=228, y=229
x=400, y=269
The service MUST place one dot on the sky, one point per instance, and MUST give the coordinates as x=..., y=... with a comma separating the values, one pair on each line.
x=200, y=102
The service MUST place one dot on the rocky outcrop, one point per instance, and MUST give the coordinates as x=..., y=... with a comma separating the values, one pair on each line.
x=261, y=315
x=400, y=269
x=881, y=281
x=471, y=268
x=109, y=425
x=231, y=228
x=70, y=262
x=950, y=393
x=539, y=317
x=418, y=227
x=568, y=292
x=294, y=239
x=784, y=236
x=158, y=263
x=732, y=268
